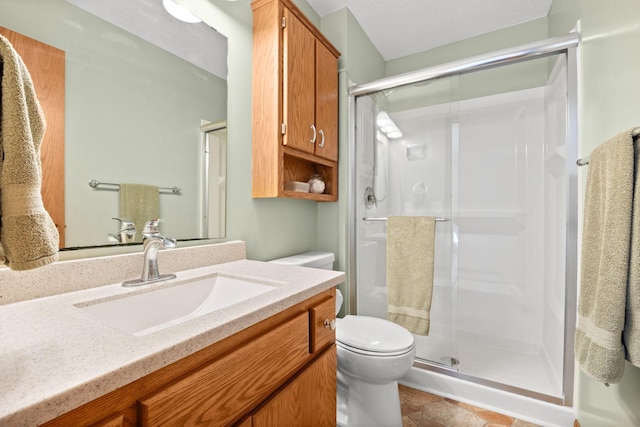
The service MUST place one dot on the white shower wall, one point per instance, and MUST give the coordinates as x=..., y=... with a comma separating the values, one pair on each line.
x=494, y=167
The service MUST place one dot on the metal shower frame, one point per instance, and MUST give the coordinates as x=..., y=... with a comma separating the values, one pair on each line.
x=565, y=44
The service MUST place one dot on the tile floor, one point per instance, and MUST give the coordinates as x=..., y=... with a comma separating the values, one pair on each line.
x=422, y=409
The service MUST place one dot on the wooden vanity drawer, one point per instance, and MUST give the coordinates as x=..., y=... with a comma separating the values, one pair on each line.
x=322, y=319
x=232, y=384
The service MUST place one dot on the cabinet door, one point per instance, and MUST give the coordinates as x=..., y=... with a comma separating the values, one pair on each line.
x=326, y=103
x=226, y=389
x=298, y=85
x=309, y=400
x=322, y=318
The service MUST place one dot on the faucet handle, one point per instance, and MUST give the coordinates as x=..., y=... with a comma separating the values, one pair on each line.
x=151, y=227
x=126, y=224
x=151, y=232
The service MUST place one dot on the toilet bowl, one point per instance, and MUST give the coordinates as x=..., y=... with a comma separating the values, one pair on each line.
x=372, y=353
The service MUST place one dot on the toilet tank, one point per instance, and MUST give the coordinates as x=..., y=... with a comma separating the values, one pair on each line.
x=317, y=259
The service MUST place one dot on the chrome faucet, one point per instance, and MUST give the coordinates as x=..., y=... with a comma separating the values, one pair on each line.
x=152, y=241
x=126, y=234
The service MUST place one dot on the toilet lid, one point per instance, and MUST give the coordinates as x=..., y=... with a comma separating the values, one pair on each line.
x=371, y=334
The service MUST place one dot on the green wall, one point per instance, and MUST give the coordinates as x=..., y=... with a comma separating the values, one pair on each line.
x=491, y=42
x=272, y=228
x=359, y=62
x=130, y=106
x=608, y=94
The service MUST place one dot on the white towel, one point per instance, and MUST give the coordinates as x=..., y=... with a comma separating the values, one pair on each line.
x=28, y=236
x=606, y=245
x=410, y=256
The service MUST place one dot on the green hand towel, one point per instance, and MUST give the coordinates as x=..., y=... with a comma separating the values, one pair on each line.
x=410, y=257
x=605, y=259
x=139, y=203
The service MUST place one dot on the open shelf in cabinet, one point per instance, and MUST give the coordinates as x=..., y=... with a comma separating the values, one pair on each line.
x=298, y=166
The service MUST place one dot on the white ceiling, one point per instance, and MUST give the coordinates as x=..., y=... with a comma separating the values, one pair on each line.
x=147, y=19
x=396, y=27
x=402, y=27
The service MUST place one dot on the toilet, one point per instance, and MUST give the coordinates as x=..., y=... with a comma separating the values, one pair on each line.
x=373, y=354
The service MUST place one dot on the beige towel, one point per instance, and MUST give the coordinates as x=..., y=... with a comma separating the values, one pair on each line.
x=28, y=236
x=410, y=249
x=139, y=203
x=605, y=259
x=631, y=335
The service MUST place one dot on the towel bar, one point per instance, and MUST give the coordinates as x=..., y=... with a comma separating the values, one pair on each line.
x=585, y=160
x=94, y=183
x=384, y=218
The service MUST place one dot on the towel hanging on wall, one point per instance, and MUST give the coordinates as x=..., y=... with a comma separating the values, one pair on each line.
x=28, y=236
x=610, y=276
x=631, y=334
x=139, y=203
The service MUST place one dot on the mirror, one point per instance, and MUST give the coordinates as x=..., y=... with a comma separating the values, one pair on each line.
x=143, y=92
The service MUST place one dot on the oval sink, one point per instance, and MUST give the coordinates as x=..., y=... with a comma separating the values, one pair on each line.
x=141, y=314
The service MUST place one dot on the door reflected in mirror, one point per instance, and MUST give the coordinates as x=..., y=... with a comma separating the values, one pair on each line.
x=137, y=92
x=214, y=137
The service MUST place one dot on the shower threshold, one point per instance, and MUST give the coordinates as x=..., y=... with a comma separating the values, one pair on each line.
x=452, y=371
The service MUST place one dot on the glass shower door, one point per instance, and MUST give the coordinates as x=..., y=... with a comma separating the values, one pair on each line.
x=409, y=175
x=492, y=153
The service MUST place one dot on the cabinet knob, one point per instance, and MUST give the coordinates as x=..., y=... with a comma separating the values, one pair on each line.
x=313, y=140
x=331, y=324
x=321, y=139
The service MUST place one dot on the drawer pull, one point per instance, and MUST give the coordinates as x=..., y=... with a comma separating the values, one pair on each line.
x=331, y=324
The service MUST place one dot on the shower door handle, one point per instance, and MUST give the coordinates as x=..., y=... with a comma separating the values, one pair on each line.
x=313, y=140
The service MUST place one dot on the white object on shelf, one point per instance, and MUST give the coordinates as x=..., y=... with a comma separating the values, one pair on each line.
x=302, y=187
x=316, y=184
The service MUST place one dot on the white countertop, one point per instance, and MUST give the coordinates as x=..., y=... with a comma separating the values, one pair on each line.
x=54, y=357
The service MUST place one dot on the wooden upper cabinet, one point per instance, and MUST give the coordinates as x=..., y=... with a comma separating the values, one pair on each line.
x=298, y=85
x=326, y=102
x=295, y=102
x=310, y=89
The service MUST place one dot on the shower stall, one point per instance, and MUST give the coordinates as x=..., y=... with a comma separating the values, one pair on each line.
x=488, y=146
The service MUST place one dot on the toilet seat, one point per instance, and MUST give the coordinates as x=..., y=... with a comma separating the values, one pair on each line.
x=373, y=336
x=373, y=353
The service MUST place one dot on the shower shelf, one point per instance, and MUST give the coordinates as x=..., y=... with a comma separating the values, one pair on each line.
x=556, y=163
x=493, y=224
x=517, y=215
x=491, y=214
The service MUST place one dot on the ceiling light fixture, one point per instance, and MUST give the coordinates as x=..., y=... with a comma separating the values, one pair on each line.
x=387, y=126
x=179, y=12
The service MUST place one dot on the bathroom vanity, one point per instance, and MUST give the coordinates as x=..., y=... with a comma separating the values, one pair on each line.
x=269, y=360
x=281, y=371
